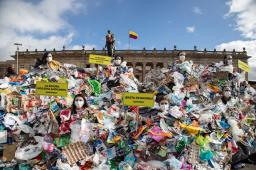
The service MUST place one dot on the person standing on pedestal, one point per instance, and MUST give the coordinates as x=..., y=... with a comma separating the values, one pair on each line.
x=110, y=43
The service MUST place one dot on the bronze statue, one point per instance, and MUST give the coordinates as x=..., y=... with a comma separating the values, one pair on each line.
x=110, y=43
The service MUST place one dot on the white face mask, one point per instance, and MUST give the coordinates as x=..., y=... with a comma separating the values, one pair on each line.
x=79, y=103
x=100, y=68
x=130, y=70
x=164, y=106
x=49, y=58
x=76, y=74
x=118, y=62
x=123, y=64
x=227, y=93
x=229, y=62
x=182, y=58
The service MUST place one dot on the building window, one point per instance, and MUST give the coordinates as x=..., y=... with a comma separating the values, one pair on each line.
x=138, y=77
x=149, y=66
x=139, y=68
x=129, y=64
x=22, y=66
x=160, y=65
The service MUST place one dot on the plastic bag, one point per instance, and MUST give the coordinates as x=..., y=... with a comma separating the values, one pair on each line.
x=75, y=132
x=174, y=163
x=205, y=155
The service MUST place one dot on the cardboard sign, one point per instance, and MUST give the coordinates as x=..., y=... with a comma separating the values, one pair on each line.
x=9, y=151
x=51, y=88
x=242, y=65
x=99, y=59
x=138, y=99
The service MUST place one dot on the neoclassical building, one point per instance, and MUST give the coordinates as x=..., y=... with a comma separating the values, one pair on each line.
x=141, y=60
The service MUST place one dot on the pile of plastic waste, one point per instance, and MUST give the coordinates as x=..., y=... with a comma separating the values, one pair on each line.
x=203, y=118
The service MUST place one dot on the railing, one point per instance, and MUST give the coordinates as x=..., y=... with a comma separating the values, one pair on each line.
x=134, y=51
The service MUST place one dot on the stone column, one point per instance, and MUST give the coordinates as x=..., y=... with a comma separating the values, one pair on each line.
x=143, y=71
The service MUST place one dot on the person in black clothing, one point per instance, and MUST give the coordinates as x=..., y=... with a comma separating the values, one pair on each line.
x=110, y=43
x=10, y=71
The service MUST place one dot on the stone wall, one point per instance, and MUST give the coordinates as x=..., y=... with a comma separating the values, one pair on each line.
x=141, y=60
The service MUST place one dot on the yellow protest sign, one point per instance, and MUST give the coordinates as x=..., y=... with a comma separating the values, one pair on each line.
x=138, y=99
x=242, y=65
x=99, y=59
x=51, y=88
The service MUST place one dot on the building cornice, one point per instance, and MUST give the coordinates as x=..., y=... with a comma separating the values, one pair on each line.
x=154, y=52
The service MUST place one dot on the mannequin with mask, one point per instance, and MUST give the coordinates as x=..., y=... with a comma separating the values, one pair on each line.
x=116, y=65
x=182, y=57
x=226, y=95
x=100, y=73
x=164, y=107
x=78, y=110
x=228, y=60
x=48, y=62
x=227, y=64
x=123, y=67
x=117, y=61
x=183, y=65
x=131, y=76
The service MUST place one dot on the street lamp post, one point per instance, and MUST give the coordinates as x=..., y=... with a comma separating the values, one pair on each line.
x=17, y=55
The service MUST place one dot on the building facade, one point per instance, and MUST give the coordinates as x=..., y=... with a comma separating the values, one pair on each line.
x=4, y=65
x=141, y=60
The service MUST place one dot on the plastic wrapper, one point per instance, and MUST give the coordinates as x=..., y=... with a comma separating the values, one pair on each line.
x=174, y=163
x=30, y=151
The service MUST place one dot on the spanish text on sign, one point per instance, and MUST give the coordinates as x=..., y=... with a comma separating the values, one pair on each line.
x=138, y=99
x=51, y=88
x=99, y=59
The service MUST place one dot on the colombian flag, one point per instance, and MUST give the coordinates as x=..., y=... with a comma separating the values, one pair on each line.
x=133, y=35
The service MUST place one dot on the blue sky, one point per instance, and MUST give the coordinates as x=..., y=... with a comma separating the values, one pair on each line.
x=48, y=24
x=159, y=23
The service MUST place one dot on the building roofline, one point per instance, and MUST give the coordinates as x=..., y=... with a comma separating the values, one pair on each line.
x=144, y=51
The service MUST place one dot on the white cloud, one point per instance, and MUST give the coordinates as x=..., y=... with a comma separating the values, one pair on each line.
x=238, y=45
x=22, y=21
x=190, y=29
x=8, y=38
x=197, y=10
x=44, y=17
x=250, y=48
x=244, y=12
